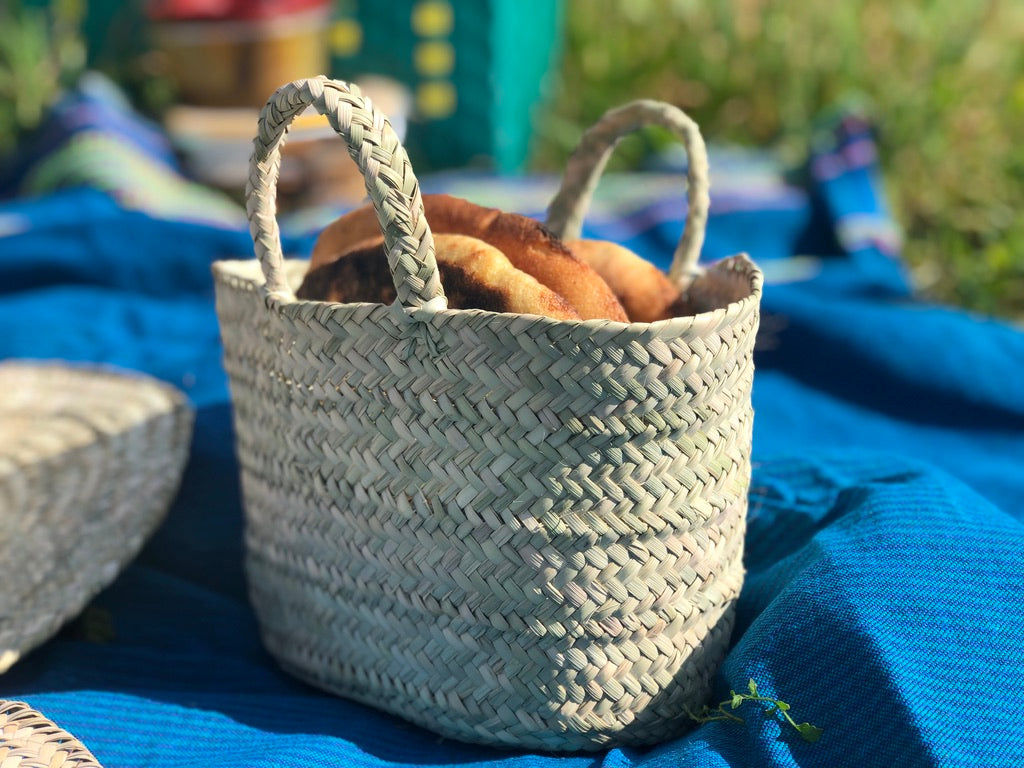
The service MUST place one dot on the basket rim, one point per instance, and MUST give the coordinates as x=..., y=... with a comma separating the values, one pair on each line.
x=230, y=271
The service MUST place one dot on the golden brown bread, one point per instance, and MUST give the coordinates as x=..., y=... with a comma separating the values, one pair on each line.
x=347, y=233
x=644, y=291
x=359, y=275
x=525, y=242
x=475, y=275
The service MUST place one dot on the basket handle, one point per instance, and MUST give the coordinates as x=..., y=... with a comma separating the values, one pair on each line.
x=587, y=162
x=390, y=182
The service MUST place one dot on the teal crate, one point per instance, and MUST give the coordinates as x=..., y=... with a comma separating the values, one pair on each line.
x=478, y=70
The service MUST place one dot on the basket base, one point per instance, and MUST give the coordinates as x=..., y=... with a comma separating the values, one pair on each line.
x=665, y=715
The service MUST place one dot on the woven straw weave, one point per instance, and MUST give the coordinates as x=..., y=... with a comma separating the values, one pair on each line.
x=89, y=462
x=506, y=528
x=30, y=740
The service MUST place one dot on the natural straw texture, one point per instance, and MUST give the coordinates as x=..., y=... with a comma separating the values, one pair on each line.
x=505, y=528
x=390, y=182
x=585, y=166
x=89, y=462
x=30, y=740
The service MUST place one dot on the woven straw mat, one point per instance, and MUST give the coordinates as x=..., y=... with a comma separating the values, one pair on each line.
x=30, y=740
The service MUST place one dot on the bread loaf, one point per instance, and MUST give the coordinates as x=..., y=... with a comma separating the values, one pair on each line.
x=526, y=243
x=644, y=291
x=475, y=275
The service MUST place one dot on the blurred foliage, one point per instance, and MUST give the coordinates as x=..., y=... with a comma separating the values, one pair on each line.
x=943, y=82
x=121, y=46
x=41, y=52
x=44, y=49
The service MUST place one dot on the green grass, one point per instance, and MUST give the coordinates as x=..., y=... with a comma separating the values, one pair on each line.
x=943, y=81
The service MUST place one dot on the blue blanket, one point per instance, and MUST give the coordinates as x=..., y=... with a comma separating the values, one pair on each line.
x=884, y=600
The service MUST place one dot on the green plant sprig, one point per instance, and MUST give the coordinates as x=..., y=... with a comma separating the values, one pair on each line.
x=808, y=732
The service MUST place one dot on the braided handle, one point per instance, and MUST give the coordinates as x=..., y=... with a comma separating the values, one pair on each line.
x=582, y=172
x=390, y=182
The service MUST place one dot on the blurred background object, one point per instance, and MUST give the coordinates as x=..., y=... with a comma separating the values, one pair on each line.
x=509, y=87
x=479, y=70
x=215, y=143
x=224, y=59
x=234, y=53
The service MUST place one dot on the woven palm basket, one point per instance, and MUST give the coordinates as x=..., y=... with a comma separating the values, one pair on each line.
x=89, y=462
x=506, y=528
x=29, y=740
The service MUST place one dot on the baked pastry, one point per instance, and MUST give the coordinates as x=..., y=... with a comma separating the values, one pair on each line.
x=526, y=243
x=359, y=275
x=475, y=275
x=644, y=291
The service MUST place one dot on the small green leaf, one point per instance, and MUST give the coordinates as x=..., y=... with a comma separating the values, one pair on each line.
x=809, y=732
x=752, y=686
x=737, y=699
x=782, y=706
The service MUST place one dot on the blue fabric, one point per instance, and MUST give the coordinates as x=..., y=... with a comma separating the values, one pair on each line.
x=884, y=599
